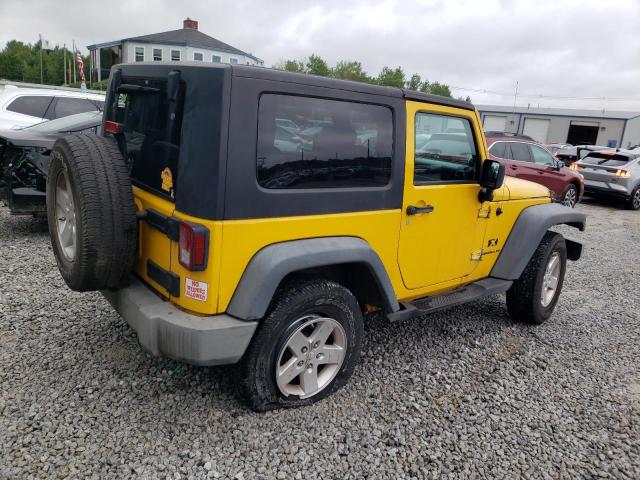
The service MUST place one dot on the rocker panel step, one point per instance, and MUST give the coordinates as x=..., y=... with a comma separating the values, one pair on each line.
x=468, y=293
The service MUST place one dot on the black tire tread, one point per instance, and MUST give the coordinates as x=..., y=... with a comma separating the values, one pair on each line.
x=106, y=211
x=523, y=300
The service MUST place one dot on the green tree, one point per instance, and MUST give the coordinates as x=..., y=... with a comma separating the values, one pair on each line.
x=351, y=71
x=437, y=88
x=316, y=65
x=290, y=66
x=391, y=78
x=415, y=82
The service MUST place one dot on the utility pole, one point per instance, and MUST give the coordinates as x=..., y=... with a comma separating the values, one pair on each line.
x=515, y=97
x=41, y=78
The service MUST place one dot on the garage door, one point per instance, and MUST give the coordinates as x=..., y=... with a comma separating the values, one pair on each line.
x=537, y=129
x=494, y=123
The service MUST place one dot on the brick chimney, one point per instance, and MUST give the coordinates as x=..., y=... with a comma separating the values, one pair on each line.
x=188, y=23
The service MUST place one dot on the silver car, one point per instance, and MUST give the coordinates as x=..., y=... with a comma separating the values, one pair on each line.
x=612, y=173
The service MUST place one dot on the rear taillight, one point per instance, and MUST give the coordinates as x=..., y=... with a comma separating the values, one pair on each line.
x=622, y=173
x=573, y=166
x=193, y=245
x=112, y=127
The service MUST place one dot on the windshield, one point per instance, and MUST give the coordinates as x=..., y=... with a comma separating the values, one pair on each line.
x=66, y=123
x=608, y=159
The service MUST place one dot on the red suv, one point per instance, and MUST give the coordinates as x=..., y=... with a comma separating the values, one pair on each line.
x=529, y=160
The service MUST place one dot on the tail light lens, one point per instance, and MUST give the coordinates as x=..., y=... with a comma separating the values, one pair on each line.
x=193, y=245
x=112, y=127
x=622, y=173
x=575, y=166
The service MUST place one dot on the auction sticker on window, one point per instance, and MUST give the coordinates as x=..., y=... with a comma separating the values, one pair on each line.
x=196, y=290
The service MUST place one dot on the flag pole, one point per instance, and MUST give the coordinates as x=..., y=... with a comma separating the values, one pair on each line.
x=40, y=36
x=74, y=62
x=64, y=61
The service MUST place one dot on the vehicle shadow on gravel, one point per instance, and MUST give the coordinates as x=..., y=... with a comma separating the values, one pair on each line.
x=19, y=226
x=612, y=203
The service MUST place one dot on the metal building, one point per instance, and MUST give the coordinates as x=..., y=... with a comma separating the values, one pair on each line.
x=556, y=125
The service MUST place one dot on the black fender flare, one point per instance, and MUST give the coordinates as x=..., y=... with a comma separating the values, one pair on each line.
x=271, y=264
x=527, y=233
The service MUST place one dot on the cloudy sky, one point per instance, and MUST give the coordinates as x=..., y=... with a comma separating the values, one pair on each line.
x=562, y=53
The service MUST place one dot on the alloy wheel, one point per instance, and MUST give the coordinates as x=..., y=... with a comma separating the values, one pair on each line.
x=550, y=279
x=65, y=216
x=311, y=357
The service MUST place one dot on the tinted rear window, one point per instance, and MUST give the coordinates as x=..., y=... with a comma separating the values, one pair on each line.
x=151, y=133
x=308, y=142
x=614, y=160
x=497, y=149
x=34, y=105
x=69, y=106
x=520, y=151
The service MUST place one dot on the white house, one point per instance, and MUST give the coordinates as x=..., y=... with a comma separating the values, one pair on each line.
x=185, y=44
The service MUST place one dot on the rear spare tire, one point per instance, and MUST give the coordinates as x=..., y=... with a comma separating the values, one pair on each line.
x=91, y=212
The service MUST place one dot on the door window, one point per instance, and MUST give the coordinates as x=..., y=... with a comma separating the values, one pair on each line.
x=498, y=149
x=445, y=150
x=520, y=152
x=541, y=156
x=33, y=105
x=306, y=142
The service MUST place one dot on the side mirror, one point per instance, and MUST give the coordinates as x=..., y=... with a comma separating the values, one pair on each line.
x=491, y=178
x=559, y=165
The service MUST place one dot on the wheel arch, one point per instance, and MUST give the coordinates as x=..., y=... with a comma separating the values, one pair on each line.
x=528, y=231
x=347, y=260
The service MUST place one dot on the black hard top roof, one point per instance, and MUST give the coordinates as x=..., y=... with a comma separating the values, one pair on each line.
x=314, y=80
x=266, y=73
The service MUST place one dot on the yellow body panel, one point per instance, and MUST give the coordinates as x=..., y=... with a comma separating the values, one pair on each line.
x=406, y=245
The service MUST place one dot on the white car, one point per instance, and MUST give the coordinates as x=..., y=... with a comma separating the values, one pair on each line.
x=22, y=107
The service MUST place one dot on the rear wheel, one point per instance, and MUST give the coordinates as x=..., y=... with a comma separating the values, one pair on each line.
x=306, y=346
x=634, y=201
x=570, y=197
x=533, y=297
x=91, y=213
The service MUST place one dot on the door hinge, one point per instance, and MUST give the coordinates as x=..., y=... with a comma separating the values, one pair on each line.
x=484, y=212
x=477, y=256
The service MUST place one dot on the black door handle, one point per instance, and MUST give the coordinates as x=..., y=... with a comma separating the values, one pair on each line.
x=413, y=210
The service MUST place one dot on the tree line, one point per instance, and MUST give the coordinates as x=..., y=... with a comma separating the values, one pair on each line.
x=20, y=62
x=352, y=70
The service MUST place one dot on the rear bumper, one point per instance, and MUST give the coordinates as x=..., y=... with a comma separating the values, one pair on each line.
x=606, y=188
x=165, y=330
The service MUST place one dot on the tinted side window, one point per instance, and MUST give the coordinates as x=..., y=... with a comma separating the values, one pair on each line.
x=306, y=142
x=541, y=156
x=497, y=149
x=445, y=150
x=30, y=105
x=70, y=106
x=520, y=151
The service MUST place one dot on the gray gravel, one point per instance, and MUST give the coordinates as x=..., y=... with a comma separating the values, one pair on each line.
x=461, y=394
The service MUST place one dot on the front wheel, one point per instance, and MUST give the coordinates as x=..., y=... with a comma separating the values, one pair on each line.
x=533, y=297
x=306, y=347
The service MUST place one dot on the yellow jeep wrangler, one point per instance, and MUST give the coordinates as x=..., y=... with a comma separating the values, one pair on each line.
x=239, y=214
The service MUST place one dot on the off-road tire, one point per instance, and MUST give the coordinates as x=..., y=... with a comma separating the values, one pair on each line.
x=633, y=202
x=292, y=301
x=105, y=213
x=524, y=297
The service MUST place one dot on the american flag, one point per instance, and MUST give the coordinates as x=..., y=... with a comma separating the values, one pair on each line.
x=80, y=63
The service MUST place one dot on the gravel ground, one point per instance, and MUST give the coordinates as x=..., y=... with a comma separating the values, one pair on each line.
x=461, y=394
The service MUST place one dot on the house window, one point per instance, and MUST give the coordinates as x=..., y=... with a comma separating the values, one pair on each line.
x=157, y=54
x=139, y=54
x=175, y=55
x=216, y=58
x=233, y=61
x=198, y=56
